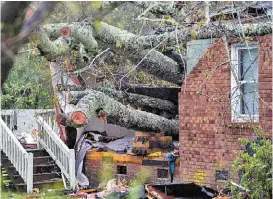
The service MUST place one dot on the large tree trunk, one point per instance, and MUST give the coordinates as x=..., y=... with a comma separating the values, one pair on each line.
x=159, y=65
x=151, y=61
x=117, y=113
x=125, y=116
x=131, y=98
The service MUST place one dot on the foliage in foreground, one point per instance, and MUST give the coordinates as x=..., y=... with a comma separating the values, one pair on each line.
x=28, y=85
x=255, y=168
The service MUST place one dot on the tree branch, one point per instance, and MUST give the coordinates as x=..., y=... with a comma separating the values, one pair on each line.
x=125, y=116
x=131, y=98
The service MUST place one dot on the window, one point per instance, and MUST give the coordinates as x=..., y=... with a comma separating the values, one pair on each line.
x=244, y=83
x=121, y=170
x=221, y=175
x=162, y=173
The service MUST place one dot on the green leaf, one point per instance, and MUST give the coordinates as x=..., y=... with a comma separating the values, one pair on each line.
x=118, y=44
x=97, y=24
x=96, y=4
x=193, y=34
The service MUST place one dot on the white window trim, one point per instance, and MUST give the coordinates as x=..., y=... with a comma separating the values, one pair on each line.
x=236, y=116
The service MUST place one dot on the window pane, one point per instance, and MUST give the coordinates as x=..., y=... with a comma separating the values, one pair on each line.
x=249, y=100
x=162, y=173
x=248, y=64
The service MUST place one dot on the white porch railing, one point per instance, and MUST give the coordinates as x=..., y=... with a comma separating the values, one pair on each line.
x=8, y=117
x=51, y=142
x=49, y=117
x=19, y=157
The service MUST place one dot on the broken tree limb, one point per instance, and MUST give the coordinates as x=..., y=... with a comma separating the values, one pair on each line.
x=152, y=61
x=73, y=119
x=159, y=65
x=123, y=39
x=132, y=98
x=125, y=116
x=155, y=62
x=85, y=33
x=129, y=41
x=52, y=49
x=80, y=33
x=166, y=8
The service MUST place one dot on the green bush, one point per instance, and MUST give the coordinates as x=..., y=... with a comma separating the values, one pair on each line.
x=255, y=169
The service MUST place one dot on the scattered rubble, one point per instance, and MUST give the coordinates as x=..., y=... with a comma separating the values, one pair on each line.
x=172, y=191
x=114, y=189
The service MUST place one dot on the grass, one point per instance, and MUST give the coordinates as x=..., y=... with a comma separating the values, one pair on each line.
x=10, y=194
x=17, y=195
x=45, y=195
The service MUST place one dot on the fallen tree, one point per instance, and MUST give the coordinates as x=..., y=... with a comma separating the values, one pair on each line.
x=151, y=61
x=88, y=101
x=123, y=115
x=136, y=47
x=131, y=98
x=146, y=52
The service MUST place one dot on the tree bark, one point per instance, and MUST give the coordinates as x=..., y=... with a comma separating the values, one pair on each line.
x=80, y=33
x=129, y=41
x=125, y=40
x=166, y=8
x=131, y=98
x=159, y=65
x=151, y=61
x=73, y=119
x=125, y=116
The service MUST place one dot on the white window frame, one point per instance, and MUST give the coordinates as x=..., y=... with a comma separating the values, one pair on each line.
x=236, y=115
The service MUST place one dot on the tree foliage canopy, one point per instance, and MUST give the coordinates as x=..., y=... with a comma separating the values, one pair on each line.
x=29, y=84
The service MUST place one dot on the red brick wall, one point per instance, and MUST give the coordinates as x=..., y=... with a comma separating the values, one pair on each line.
x=94, y=166
x=208, y=138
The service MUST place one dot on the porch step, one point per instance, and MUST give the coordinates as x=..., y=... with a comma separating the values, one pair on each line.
x=43, y=160
x=44, y=168
x=38, y=177
x=56, y=183
x=46, y=173
x=5, y=162
x=37, y=152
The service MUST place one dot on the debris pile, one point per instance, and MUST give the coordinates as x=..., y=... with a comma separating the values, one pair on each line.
x=114, y=189
x=150, y=142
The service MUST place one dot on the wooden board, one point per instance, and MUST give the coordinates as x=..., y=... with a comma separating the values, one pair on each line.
x=119, y=158
x=139, y=144
x=142, y=134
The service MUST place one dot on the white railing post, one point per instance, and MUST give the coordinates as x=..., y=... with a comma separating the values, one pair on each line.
x=72, y=171
x=1, y=138
x=56, y=148
x=38, y=136
x=30, y=172
x=18, y=156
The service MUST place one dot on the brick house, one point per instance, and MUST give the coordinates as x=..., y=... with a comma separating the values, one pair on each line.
x=214, y=114
x=154, y=169
x=123, y=166
x=212, y=117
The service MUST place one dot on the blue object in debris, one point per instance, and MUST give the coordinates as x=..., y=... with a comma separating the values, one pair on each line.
x=171, y=161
